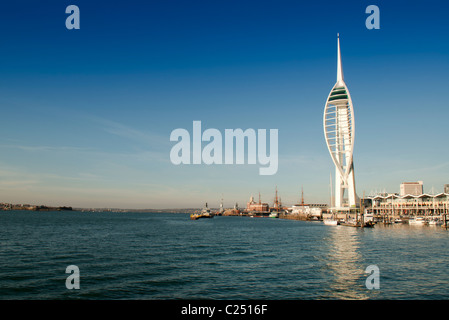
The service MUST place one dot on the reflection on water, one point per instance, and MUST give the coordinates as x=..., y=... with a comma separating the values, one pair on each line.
x=347, y=277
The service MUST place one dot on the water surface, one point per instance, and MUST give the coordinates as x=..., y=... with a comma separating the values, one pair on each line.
x=169, y=256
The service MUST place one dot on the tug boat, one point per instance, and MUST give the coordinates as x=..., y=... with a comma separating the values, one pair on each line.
x=205, y=213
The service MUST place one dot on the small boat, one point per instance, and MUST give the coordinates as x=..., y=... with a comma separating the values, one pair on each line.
x=355, y=223
x=194, y=216
x=398, y=221
x=330, y=222
x=419, y=221
x=274, y=214
x=349, y=223
x=435, y=222
x=369, y=224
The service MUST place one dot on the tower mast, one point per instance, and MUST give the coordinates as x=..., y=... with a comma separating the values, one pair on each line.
x=340, y=78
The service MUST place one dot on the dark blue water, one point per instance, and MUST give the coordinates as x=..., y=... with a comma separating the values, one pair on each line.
x=168, y=256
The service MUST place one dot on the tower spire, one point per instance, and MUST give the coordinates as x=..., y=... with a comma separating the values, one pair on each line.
x=340, y=79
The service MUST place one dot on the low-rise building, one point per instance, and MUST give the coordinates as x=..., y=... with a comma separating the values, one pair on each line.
x=411, y=205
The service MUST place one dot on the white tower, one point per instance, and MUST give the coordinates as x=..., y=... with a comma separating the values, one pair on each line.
x=338, y=122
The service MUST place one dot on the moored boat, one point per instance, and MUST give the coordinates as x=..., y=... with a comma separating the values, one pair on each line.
x=419, y=221
x=355, y=223
x=330, y=222
x=274, y=214
x=435, y=222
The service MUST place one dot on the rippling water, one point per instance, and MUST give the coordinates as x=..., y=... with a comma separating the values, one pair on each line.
x=168, y=256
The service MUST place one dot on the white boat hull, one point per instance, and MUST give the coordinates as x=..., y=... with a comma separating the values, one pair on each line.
x=417, y=222
x=330, y=222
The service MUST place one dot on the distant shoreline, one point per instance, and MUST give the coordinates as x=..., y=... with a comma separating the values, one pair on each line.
x=28, y=207
x=186, y=210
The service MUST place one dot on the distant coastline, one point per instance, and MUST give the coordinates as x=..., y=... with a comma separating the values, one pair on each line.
x=31, y=207
x=183, y=210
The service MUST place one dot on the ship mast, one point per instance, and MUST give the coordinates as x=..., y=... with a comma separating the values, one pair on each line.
x=302, y=197
x=276, y=202
x=221, y=205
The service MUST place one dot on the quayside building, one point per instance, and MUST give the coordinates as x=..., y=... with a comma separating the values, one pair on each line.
x=408, y=205
x=411, y=202
x=258, y=207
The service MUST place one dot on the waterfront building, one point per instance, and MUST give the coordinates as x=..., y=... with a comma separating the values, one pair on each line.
x=253, y=206
x=338, y=123
x=233, y=212
x=412, y=188
x=256, y=206
x=408, y=205
x=311, y=210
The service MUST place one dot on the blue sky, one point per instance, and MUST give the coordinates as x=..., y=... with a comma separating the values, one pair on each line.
x=87, y=114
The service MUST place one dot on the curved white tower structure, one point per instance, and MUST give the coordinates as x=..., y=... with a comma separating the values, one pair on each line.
x=338, y=122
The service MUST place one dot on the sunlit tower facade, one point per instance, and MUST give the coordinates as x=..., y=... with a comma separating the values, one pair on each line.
x=338, y=123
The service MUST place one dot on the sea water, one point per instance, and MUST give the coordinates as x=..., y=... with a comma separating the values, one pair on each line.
x=131, y=255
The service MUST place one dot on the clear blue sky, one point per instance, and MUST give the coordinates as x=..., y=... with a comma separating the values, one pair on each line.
x=87, y=114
